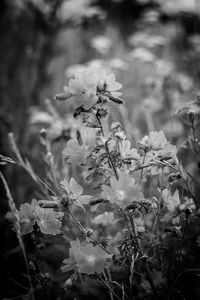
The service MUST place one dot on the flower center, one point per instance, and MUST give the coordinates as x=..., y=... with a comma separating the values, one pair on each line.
x=91, y=259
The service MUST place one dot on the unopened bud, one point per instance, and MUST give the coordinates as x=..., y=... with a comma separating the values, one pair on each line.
x=63, y=96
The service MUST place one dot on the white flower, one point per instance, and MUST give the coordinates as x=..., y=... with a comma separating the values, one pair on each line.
x=127, y=152
x=156, y=140
x=105, y=219
x=102, y=44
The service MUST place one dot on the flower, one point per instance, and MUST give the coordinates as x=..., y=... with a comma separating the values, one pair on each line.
x=171, y=202
x=88, y=259
x=112, y=86
x=87, y=84
x=75, y=153
x=101, y=44
x=47, y=219
x=27, y=217
x=105, y=219
x=156, y=140
x=123, y=191
x=127, y=152
x=75, y=191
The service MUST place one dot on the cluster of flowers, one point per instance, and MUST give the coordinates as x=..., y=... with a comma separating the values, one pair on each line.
x=115, y=169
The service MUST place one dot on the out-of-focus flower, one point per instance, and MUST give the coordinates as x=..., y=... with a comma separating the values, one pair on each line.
x=117, y=63
x=173, y=128
x=73, y=69
x=40, y=117
x=123, y=191
x=171, y=202
x=76, y=10
x=142, y=54
x=105, y=219
x=101, y=44
x=127, y=152
x=143, y=39
x=163, y=67
x=152, y=105
x=87, y=258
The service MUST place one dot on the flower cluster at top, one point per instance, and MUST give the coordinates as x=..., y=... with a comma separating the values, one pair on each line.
x=91, y=86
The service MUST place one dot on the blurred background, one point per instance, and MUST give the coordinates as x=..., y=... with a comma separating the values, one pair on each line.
x=153, y=47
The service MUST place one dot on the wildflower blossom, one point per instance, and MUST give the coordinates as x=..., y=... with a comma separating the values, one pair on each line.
x=47, y=219
x=171, y=203
x=101, y=44
x=105, y=219
x=75, y=191
x=75, y=153
x=127, y=152
x=123, y=191
x=88, y=259
x=87, y=84
x=156, y=140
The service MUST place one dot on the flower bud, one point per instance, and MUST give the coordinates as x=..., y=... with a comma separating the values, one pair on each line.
x=63, y=96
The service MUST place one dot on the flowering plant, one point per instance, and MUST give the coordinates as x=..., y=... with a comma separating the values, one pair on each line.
x=121, y=224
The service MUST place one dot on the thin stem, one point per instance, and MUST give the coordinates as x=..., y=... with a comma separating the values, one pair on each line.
x=110, y=291
x=18, y=231
x=107, y=150
x=83, y=230
x=108, y=286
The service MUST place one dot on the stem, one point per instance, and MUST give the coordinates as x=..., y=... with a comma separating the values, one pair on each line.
x=106, y=283
x=18, y=231
x=83, y=230
x=107, y=150
x=110, y=291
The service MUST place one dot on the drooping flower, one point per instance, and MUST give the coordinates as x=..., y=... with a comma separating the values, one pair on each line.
x=87, y=258
x=123, y=191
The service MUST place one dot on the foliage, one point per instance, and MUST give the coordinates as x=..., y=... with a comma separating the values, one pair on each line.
x=120, y=209
x=118, y=176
